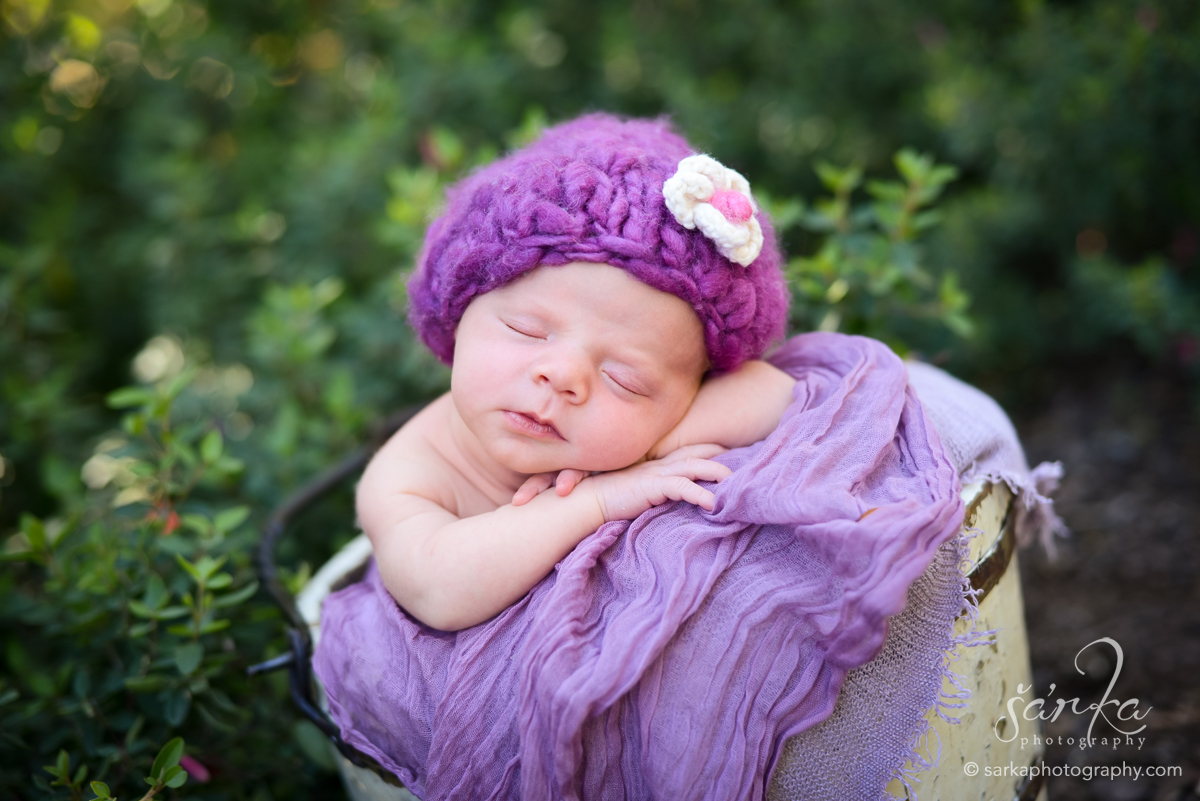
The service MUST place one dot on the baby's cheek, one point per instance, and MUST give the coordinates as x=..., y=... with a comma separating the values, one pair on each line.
x=629, y=439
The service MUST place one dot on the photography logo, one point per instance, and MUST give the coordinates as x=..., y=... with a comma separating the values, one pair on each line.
x=1122, y=716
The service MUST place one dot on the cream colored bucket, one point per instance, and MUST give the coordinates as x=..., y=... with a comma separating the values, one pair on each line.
x=990, y=672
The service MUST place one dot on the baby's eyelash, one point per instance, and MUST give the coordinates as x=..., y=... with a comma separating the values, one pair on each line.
x=622, y=386
x=513, y=328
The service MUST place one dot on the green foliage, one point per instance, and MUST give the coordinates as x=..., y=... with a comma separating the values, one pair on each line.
x=867, y=276
x=207, y=210
x=130, y=615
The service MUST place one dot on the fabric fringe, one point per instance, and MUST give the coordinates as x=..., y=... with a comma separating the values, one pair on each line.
x=1036, y=518
x=953, y=693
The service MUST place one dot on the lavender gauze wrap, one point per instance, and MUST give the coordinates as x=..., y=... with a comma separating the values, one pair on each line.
x=673, y=655
x=591, y=190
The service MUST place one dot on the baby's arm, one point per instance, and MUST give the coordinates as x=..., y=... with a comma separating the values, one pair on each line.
x=733, y=410
x=451, y=572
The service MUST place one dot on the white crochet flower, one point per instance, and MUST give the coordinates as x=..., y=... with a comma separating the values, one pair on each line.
x=705, y=194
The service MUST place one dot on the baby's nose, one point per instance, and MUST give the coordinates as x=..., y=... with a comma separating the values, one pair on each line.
x=566, y=373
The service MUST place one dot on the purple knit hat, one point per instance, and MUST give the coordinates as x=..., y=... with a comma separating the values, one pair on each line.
x=592, y=190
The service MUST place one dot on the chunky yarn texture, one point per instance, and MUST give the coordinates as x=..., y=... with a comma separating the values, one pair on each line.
x=591, y=190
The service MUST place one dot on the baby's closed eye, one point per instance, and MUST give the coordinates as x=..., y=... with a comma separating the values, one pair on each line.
x=525, y=329
x=625, y=382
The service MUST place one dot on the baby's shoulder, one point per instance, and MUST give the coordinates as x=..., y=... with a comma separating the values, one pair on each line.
x=412, y=463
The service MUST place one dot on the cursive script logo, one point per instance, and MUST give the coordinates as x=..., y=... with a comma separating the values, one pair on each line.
x=1037, y=710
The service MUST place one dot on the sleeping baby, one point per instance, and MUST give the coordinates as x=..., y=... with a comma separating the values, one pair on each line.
x=576, y=592
x=603, y=297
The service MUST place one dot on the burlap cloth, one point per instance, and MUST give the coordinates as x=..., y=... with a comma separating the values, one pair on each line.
x=878, y=722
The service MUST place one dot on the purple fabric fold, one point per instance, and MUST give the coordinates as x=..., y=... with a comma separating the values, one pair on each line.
x=673, y=655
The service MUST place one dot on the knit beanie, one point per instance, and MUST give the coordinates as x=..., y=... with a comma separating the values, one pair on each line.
x=591, y=190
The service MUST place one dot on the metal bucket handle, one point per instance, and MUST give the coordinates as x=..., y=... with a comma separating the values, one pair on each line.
x=298, y=659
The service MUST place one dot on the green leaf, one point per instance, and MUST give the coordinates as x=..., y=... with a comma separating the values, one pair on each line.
x=59, y=769
x=140, y=629
x=206, y=566
x=926, y=219
x=140, y=609
x=327, y=290
x=237, y=596
x=156, y=595
x=175, y=777
x=178, y=384
x=190, y=568
x=230, y=519
x=216, y=625
x=134, y=730
x=220, y=581
x=197, y=523
x=228, y=465
x=211, y=446
x=171, y=612
x=887, y=190
x=840, y=181
x=913, y=166
x=127, y=397
x=188, y=657
x=35, y=531
x=168, y=757
x=183, y=452
x=101, y=790
x=80, y=775
x=82, y=683
x=145, y=684
x=960, y=324
x=175, y=708
x=943, y=174
x=167, y=613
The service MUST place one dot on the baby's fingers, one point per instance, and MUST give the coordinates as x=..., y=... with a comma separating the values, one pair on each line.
x=533, y=485
x=568, y=479
x=696, y=469
x=678, y=488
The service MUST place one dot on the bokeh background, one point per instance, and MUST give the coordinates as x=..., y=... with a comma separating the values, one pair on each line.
x=207, y=209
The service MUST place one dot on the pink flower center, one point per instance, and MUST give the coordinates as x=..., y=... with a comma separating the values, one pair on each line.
x=733, y=204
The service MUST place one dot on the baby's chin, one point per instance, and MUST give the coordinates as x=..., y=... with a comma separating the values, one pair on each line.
x=589, y=463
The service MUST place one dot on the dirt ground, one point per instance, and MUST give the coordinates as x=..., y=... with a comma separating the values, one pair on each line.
x=1130, y=443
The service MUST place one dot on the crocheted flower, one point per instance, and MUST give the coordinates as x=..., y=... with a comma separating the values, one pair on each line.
x=705, y=194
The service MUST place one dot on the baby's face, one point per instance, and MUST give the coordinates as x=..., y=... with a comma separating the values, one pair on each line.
x=580, y=366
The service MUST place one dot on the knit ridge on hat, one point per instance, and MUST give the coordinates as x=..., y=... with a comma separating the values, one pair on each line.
x=591, y=190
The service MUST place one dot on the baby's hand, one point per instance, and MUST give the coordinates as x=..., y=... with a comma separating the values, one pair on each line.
x=563, y=482
x=625, y=494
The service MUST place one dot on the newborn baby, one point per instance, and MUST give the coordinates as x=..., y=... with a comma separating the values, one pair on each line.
x=602, y=296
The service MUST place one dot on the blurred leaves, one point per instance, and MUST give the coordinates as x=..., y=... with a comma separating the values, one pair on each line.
x=869, y=273
x=207, y=212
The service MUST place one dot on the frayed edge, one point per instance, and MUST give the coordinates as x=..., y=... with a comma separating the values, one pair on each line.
x=1036, y=518
x=919, y=761
x=953, y=694
x=956, y=695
